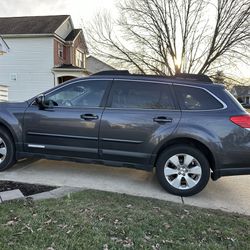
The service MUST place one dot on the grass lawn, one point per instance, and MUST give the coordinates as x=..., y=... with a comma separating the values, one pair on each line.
x=101, y=220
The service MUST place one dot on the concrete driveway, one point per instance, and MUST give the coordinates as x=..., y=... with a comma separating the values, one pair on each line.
x=230, y=194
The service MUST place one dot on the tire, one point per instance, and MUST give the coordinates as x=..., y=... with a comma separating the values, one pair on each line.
x=7, y=150
x=182, y=170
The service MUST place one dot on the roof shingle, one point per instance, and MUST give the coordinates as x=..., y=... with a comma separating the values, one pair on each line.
x=72, y=35
x=31, y=24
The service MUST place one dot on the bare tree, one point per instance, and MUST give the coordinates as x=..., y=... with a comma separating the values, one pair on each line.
x=229, y=82
x=166, y=37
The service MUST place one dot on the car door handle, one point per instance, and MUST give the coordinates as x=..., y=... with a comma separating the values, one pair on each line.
x=162, y=119
x=89, y=117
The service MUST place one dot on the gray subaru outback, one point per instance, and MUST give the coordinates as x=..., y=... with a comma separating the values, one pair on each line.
x=186, y=127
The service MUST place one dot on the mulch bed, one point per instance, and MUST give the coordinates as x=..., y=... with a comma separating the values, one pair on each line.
x=26, y=189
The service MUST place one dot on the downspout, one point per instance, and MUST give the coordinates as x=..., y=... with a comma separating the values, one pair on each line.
x=54, y=77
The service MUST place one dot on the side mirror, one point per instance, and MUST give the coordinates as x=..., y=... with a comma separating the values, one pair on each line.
x=40, y=101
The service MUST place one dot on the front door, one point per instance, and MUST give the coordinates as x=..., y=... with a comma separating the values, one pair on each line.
x=247, y=100
x=70, y=125
x=138, y=117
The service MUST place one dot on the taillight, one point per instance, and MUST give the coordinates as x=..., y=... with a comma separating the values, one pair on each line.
x=241, y=120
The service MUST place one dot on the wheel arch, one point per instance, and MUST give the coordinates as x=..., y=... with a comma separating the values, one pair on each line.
x=9, y=130
x=190, y=142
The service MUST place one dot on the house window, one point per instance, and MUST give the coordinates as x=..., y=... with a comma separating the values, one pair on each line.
x=60, y=50
x=79, y=59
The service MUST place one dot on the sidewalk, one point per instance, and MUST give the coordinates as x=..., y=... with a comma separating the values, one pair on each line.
x=230, y=194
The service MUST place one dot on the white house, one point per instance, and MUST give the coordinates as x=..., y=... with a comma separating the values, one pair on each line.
x=242, y=93
x=95, y=65
x=45, y=51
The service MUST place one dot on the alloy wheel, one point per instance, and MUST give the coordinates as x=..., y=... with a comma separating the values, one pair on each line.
x=182, y=171
x=3, y=150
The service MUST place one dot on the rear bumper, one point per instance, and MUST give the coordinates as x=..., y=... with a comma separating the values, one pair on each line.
x=229, y=172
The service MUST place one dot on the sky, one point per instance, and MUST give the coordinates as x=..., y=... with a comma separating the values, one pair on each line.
x=80, y=11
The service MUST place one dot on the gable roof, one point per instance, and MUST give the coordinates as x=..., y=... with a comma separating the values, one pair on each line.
x=94, y=59
x=31, y=24
x=73, y=34
x=242, y=90
x=95, y=65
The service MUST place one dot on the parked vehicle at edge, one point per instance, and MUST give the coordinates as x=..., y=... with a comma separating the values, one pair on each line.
x=185, y=127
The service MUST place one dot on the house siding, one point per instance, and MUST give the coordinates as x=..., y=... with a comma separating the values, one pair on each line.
x=69, y=52
x=30, y=61
x=78, y=45
x=66, y=55
x=93, y=65
x=64, y=29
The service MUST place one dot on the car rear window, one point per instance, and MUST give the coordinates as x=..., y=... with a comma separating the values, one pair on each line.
x=193, y=98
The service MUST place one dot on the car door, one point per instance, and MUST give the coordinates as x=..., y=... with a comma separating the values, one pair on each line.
x=69, y=126
x=139, y=115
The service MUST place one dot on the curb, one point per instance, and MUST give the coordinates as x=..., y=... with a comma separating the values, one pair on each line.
x=55, y=193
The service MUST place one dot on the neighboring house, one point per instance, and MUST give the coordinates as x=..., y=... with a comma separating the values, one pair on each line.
x=95, y=65
x=242, y=94
x=45, y=51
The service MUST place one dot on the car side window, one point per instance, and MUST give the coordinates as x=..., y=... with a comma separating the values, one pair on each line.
x=141, y=95
x=191, y=98
x=80, y=94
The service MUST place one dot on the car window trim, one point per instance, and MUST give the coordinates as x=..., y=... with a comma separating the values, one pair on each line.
x=133, y=109
x=106, y=103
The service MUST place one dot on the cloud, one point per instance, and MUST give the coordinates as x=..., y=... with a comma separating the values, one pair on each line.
x=33, y=7
x=78, y=9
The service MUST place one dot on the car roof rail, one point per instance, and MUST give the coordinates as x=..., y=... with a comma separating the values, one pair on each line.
x=179, y=76
x=112, y=72
x=194, y=77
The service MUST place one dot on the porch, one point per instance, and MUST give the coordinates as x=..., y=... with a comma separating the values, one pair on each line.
x=67, y=72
